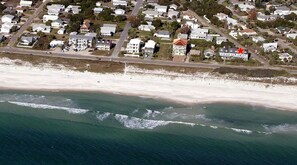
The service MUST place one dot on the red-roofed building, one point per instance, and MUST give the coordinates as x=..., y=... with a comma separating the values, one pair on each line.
x=179, y=47
x=85, y=26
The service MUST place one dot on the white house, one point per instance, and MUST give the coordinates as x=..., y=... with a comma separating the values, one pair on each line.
x=55, y=43
x=192, y=24
x=133, y=46
x=26, y=3
x=148, y=27
x=104, y=45
x=248, y=32
x=97, y=10
x=73, y=9
x=221, y=16
x=46, y=18
x=55, y=9
x=233, y=53
x=258, y=39
x=119, y=3
x=162, y=34
x=173, y=7
x=108, y=29
x=80, y=42
x=285, y=57
x=149, y=48
x=172, y=14
x=231, y=21
x=282, y=10
x=245, y=6
x=41, y=28
x=199, y=33
x=119, y=12
x=150, y=14
x=6, y=28
x=61, y=31
x=291, y=35
x=161, y=9
x=233, y=34
x=269, y=47
x=7, y=18
x=263, y=17
x=57, y=24
x=98, y=4
x=220, y=40
x=27, y=41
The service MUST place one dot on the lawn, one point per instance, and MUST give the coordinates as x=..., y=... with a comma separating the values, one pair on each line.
x=164, y=53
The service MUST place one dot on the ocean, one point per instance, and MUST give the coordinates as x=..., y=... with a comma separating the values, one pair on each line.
x=97, y=128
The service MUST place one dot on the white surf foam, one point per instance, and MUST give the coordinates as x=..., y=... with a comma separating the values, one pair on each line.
x=151, y=113
x=103, y=116
x=283, y=128
x=138, y=123
x=246, y=131
x=45, y=106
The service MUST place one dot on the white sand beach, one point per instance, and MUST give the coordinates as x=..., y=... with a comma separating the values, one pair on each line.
x=198, y=88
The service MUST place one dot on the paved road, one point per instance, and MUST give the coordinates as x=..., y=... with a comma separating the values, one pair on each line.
x=231, y=39
x=25, y=26
x=124, y=34
x=133, y=60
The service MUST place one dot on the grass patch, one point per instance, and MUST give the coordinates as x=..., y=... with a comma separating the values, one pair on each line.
x=263, y=73
x=164, y=53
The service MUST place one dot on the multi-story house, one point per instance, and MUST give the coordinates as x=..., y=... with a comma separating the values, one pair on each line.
x=179, y=47
x=233, y=53
x=133, y=46
x=103, y=45
x=149, y=48
x=80, y=42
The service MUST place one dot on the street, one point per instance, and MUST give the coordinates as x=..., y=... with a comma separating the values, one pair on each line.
x=25, y=26
x=124, y=34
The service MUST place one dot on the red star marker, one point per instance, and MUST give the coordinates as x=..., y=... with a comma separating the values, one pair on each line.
x=240, y=50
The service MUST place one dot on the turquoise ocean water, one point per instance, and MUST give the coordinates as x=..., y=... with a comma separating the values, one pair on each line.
x=95, y=128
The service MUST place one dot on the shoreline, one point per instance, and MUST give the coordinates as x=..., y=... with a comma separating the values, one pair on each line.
x=207, y=101
x=193, y=89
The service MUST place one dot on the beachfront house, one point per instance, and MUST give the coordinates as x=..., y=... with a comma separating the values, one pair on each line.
x=179, y=47
x=27, y=41
x=233, y=53
x=149, y=48
x=80, y=42
x=133, y=46
x=104, y=45
x=56, y=43
x=285, y=57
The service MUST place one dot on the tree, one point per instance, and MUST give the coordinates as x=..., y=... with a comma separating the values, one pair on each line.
x=292, y=17
x=174, y=26
x=157, y=23
x=48, y=23
x=2, y=7
x=120, y=18
x=135, y=21
x=252, y=14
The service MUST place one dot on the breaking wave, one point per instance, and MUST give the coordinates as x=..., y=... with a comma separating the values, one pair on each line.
x=103, y=116
x=246, y=131
x=151, y=113
x=45, y=106
x=283, y=128
x=138, y=123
